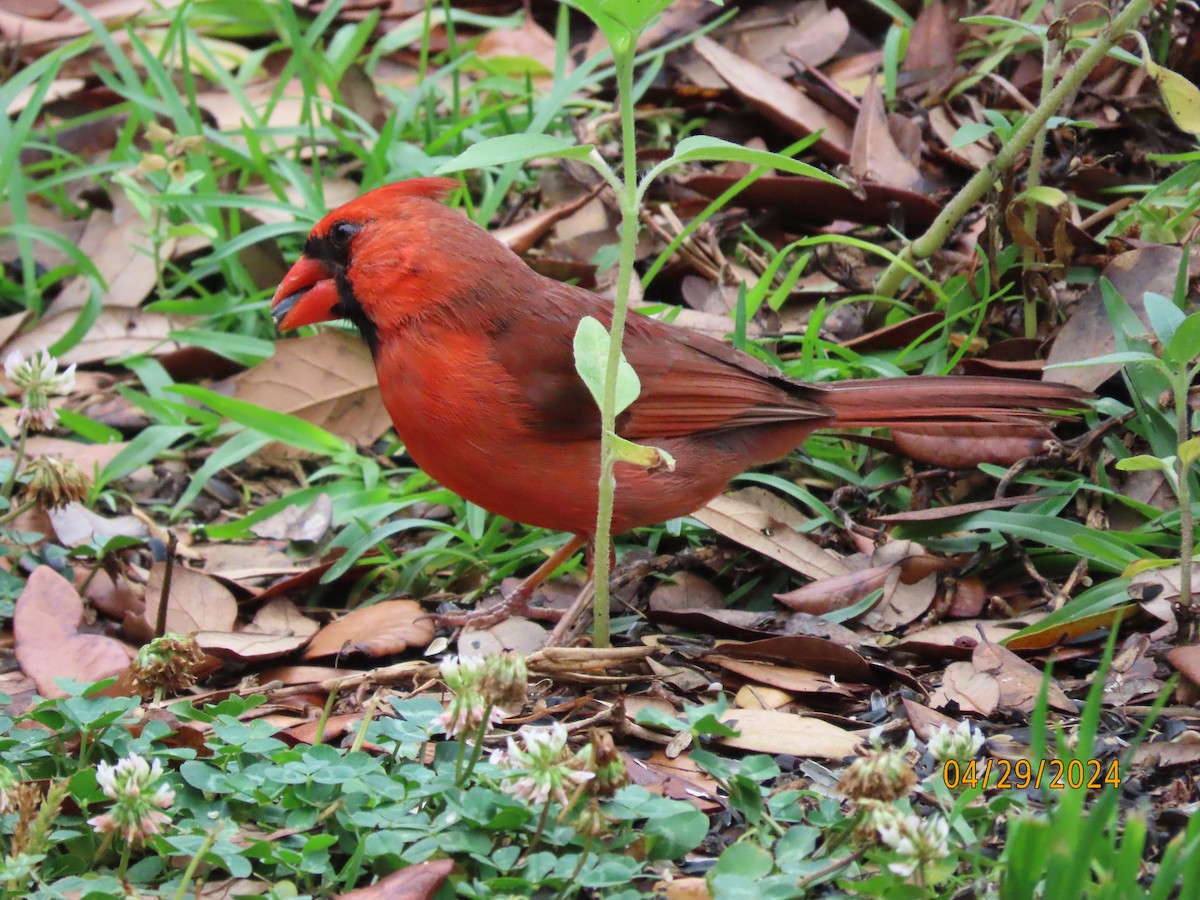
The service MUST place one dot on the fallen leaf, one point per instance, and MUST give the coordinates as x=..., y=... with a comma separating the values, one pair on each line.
x=1088, y=333
x=874, y=156
x=751, y=526
x=786, y=678
x=49, y=643
x=198, y=602
x=294, y=523
x=771, y=731
x=75, y=524
x=377, y=630
x=418, y=882
x=1018, y=681
x=115, y=333
x=778, y=101
x=249, y=646
x=327, y=379
x=971, y=690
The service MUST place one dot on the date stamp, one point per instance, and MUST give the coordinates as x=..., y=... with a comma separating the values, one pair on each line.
x=1053, y=774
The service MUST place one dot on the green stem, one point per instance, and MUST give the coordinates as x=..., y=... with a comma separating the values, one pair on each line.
x=13, y=514
x=973, y=191
x=1182, y=381
x=477, y=750
x=17, y=460
x=628, y=197
x=125, y=851
x=194, y=862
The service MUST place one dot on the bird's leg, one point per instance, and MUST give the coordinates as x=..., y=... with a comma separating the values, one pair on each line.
x=517, y=603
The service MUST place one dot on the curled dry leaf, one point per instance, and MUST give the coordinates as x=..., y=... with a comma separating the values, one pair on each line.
x=965, y=447
x=49, y=643
x=379, y=630
x=197, y=603
x=874, y=156
x=686, y=590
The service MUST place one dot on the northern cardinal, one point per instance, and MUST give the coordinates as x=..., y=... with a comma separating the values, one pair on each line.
x=473, y=350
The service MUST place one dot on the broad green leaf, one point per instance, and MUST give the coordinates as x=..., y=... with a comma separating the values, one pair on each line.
x=1184, y=345
x=709, y=149
x=1144, y=463
x=622, y=21
x=641, y=455
x=1165, y=317
x=591, y=362
x=510, y=148
x=1180, y=96
x=1045, y=195
x=970, y=133
x=1189, y=451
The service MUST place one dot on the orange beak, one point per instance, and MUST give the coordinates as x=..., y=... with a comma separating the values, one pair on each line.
x=306, y=295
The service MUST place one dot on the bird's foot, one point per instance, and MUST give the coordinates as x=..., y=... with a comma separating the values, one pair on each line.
x=515, y=604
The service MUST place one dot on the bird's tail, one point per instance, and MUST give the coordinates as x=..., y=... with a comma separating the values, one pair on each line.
x=937, y=400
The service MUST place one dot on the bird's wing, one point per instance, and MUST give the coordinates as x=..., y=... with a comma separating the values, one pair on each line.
x=690, y=382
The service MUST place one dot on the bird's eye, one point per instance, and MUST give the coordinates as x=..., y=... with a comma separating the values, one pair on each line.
x=342, y=233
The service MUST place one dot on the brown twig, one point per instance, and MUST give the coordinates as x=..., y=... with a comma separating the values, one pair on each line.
x=160, y=623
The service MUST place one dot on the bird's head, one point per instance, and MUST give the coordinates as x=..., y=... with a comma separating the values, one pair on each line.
x=373, y=259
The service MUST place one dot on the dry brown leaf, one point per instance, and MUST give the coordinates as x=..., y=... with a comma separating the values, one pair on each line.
x=779, y=101
x=303, y=674
x=874, y=156
x=249, y=646
x=49, y=644
x=327, y=379
x=925, y=722
x=838, y=592
x=1088, y=333
x=116, y=332
x=819, y=203
x=965, y=447
x=280, y=616
x=118, y=245
x=973, y=691
x=87, y=456
x=787, y=678
x=75, y=524
x=815, y=653
x=686, y=590
x=294, y=523
x=379, y=630
x=1019, y=682
x=198, y=602
x=958, y=639
x=751, y=526
x=901, y=603
x=757, y=696
x=419, y=882
x=1187, y=661
x=514, y=635
x=771, y=731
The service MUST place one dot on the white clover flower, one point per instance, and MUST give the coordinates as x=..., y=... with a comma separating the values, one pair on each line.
x=960, y=743
x=920, y=840
x=38, y=379
x=135, y=786
x=544, y=768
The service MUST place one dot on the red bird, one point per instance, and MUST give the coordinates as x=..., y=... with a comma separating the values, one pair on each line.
x=474, y=354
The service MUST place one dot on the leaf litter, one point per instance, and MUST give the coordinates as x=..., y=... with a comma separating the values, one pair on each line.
x=948, y=628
